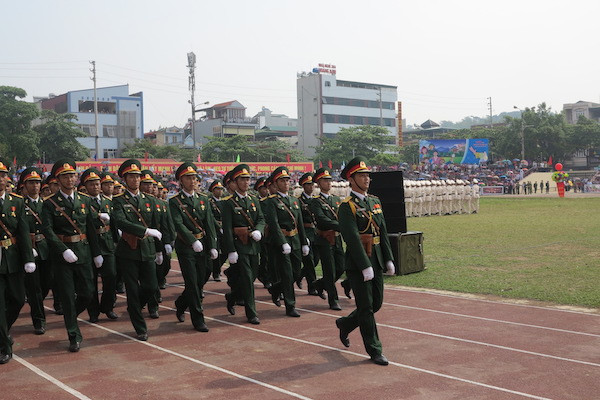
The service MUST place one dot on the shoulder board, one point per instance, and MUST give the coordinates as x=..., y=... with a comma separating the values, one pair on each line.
x=16, y=195
x=262, y=198
x=373, y=196
x=347, y=199
x=227, y=197
x=47, y=197
x=118, y=195
x=272, y=196
x=315, y=196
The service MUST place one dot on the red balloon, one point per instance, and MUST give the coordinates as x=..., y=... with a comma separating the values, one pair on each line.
x=558, y=166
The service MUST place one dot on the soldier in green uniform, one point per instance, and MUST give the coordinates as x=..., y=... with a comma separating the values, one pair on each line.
x=52, y=183
x=195, y=225
x=243, y=228
x=310, y=261
x=368, y=255
x=139, y=248
x=216, y=194
x=263, y=275
x=38, y=283
x=232, y=272
x=286, y=226
x=102, y=207
x=328, y=241
x=16, y=253
x=68, y=224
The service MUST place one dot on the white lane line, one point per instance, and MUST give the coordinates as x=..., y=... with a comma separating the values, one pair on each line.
x=505, y=303
x=500, y=321
x=50, y=378
x=196, y=361
x=410, y=367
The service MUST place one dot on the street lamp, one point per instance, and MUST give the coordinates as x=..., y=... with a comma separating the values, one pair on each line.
x=522, y=133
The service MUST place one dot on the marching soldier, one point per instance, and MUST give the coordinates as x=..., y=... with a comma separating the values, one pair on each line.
x=328, y=241
x=68, y=224
x=194, y=222
x=216, y=194
x=139, y=248
x=264, y=272
x=310, y=261
x=102, y=207
x=368, y=254
x=243, y=228
x=15, y=251
x=38, y=283
x=286, y=226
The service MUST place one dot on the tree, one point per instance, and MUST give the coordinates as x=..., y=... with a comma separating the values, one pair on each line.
x=275, y=151
x=585, y=135
x=58, y=137
x=367, y=141
x=17, y=139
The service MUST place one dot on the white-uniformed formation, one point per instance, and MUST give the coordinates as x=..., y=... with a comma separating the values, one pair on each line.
x=440, y=197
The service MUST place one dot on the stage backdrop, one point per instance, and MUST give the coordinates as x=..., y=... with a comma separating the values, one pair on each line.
x=453, y=151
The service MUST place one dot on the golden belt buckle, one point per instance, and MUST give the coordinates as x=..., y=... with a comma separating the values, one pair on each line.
x=376, y=239
x=6, y=243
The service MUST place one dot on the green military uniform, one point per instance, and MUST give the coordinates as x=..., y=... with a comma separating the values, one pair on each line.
x=284, y=217
x=15, y=248
x=310, y=261
x=137, y=217
x=328, y=242
x=107, y=235
x=75, y=279
x=216, y=205
x=264, y=272
x=194, y=223
x=363, y=215
x=242, y=217
x=38, y=283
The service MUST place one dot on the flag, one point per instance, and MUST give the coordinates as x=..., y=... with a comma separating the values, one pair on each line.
x=550, y=161
x=343, y=165
x=146, y=156
x=330, y=164
x=199, y=157
x=320, y=164
x=287, y=157
x=238, y=158
x=15, y=161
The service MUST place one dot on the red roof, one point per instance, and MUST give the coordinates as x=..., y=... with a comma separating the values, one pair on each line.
x=222, y=105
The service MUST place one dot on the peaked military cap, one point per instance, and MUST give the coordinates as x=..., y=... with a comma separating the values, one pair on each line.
x=280, y=173
x=215, y=184
x=3, y=166
x=90, y=174
x=357, y=164
x=106, y=177
x=306, y=178
x=131, y=166
x=30, y=174
x=187, y=168
x=227, y=178
x=64, y=166
x=51, y=179
x=322, y=173
x=240, y=171
x=259, y=183
x=148, y=176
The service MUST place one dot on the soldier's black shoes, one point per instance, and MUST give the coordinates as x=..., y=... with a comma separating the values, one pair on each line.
x=94, y=319
x=4, y=358
x=39, y=331
x=274, y=296
x=120, y=289
x=230, y=303
x=216, y=277
x=58, y=311
x=347, y=289
x=318, y=285
x=111, y=315
x=154, y=314
x=180, y=314
x=201, y=327
x=380, y=359
x=335, y=306
x=162, y=286
x=343, y=333
x=299, y=283
x=254, y=321
x=291, y=312
x=74, y=347
x=142, y=337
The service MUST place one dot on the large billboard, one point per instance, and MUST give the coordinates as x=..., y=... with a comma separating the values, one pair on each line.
x=453, y=151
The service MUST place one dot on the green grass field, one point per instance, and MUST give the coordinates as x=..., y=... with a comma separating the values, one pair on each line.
x=527, y=248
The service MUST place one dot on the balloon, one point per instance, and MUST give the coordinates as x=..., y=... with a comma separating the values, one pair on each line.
x=558, y=166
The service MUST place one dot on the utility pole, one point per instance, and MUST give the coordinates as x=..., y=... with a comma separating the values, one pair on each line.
x=192, y=87
x=93, y=70
x=490, y=107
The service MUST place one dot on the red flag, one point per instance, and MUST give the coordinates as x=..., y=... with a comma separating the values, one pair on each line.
x=287, y=157
x=320, y=164
x=199, y=157
x=550, y=161
x=330, y=164
x=15, y=161
x=146, y=156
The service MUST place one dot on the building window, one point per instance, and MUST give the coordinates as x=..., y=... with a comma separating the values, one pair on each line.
x=327, y=83
x=110, y=153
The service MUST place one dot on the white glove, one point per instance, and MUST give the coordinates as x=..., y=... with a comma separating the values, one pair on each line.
x=391, y=268
x=168, y=249
x=155, y=233
x=286, y=248
x=69, y=256
x=305, y=250
x=368, y=274
x=232, y=257
x=308, y=241
x=159, y=258
x=256, y=235
x=213, y=254
x=104, y=217
x=197, y=246
x=98, y=261
x=35, y=253
x=221, y=230
x=120, y=232
x=29, y=267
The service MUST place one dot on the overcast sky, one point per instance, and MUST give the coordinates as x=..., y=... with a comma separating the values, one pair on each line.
x=446, y=57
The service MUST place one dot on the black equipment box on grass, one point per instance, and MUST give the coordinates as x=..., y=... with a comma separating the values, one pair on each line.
x=408, y=252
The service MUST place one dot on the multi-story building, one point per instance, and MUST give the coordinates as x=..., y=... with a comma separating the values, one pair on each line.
x=224, y=120
x=120, y=116
x=327, y=104
x=172, y=136
x=586, y=109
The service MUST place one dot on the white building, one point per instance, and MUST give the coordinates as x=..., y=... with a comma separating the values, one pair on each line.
x=326, y=104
